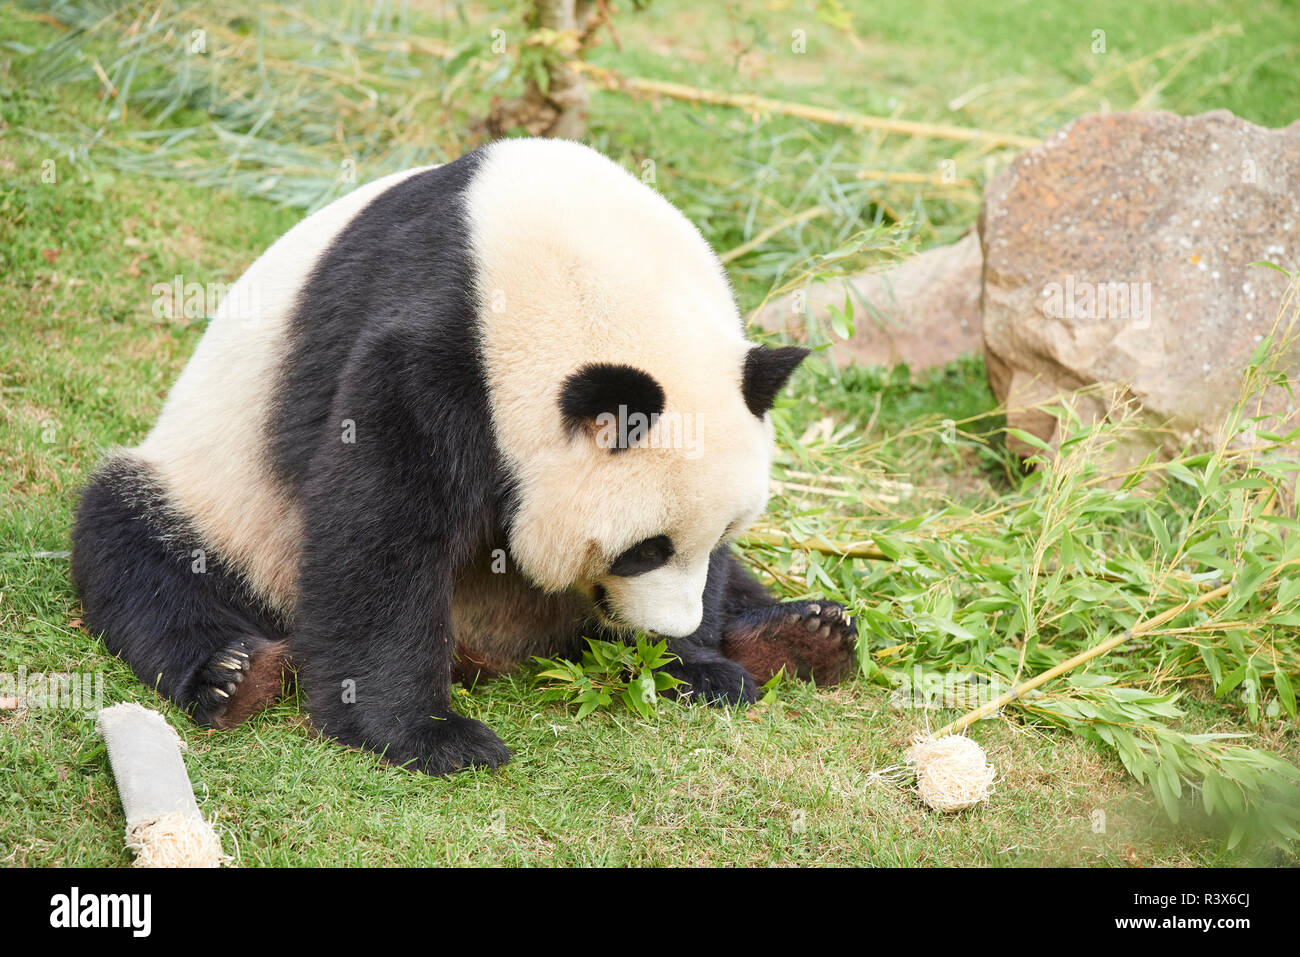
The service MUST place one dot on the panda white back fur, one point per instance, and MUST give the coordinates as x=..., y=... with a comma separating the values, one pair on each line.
x=410, y=384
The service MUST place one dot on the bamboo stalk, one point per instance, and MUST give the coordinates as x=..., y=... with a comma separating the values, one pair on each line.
x=1069, y=664
x=680, y=91
x=865, y=549
x=766, y=234
x=816, y=114
x=923, y=179
x=817, y=544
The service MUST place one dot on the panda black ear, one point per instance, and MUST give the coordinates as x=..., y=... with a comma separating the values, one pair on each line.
x=766, y=371
x=606, y=388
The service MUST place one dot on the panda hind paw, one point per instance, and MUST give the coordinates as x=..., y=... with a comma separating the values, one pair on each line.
x=239, y=680
x=814, y=640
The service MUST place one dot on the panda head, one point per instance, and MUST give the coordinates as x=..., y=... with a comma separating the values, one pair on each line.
x=628, y=406
x=656, y=486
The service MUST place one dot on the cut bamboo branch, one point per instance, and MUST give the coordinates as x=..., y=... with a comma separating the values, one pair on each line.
x=766, y=234
x=817, y=544
x=817, y=114
x=923, y=179
x=1070, y=664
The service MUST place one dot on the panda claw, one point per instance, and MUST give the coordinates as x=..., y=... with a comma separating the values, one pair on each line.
x=228, y=683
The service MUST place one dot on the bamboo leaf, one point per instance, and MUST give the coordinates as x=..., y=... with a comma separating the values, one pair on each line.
x=1285, y=693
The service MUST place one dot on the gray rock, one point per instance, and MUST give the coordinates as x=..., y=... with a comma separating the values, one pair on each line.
x=924, y=312
x=1117, y=256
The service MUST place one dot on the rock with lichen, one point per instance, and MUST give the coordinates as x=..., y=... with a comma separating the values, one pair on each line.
x=1118, y=260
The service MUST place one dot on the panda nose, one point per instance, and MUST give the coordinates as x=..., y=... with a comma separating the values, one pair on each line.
x=680, y=622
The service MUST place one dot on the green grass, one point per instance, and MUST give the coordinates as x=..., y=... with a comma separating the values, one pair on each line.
x=85, y=366
x=783, y=784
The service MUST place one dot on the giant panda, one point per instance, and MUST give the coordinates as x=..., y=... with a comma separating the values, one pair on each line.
x=400, y=457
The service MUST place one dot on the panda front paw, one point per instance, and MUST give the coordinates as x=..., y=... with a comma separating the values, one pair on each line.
x=448, y=744
x=719, y=682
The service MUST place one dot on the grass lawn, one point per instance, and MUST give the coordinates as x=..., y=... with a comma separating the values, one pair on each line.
x=85, y=364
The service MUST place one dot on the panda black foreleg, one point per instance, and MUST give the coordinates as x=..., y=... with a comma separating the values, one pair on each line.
x=709, y=675
x=385, y=528
x=375, y=650
x=374, y=641
x=814, y=639
x=165, y=603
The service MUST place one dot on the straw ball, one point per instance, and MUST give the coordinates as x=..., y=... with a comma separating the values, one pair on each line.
x=952, y=772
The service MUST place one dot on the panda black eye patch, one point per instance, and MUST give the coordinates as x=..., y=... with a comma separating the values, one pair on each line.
x=644, y=556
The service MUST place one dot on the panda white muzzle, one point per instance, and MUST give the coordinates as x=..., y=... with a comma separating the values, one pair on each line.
x=668, y=601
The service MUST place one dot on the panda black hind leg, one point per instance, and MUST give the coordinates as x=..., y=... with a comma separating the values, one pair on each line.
x=166, y=605
x=814, y=639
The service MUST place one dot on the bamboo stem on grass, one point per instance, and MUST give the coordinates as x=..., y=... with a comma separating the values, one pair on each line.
x=1069, y=664
x=816, y=544
x=817, y=114
x=766, y=234
x=919, y=179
